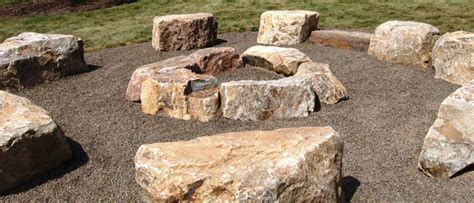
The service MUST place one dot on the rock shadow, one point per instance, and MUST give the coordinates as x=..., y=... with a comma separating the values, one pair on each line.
x=219, y=41
x=349, y=185
x=467, y=169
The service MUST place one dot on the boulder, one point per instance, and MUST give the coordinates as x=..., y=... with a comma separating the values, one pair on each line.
x=286, y=165
x=404, y=42
x=453, y=57
x=351, y=40
x=216, y=60
x=281, y=60
x=30, y=141
x=287, y=27
x=184, y=32
x=261, y=100
x=449, y=144
x=323, y=82
x=32, y=58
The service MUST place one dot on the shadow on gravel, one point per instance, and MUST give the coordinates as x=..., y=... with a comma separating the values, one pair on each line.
x=93, y=67
x=219, y=41
x=79, y=158
x=349, y=186
x=467, y=169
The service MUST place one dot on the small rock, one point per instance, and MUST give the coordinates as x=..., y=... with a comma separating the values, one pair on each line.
x=30, y=141
x=32, y=58
x=184, y=32
x=288, y=27
x=342, y=39
x=404, y=42
x=286, y=165
x=449, y=144
x=453, y=57
x=216, y=60
x=281, y=60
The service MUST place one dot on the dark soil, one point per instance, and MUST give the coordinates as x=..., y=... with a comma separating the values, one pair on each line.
x=383, y=125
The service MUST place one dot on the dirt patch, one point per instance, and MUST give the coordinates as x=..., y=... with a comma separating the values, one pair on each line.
x=383, y=124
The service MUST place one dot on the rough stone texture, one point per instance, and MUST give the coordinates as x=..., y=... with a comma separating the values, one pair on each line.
x=323, y=82
x=216, y=60
x=286, y=27
x=404, y=42
x=262, y=100
x=30, y=141
x=184, y=32
x=32, y=58
x=281, y=60
x=449, y=144
x=287, y=165
x=453, y=57
x=351, y=40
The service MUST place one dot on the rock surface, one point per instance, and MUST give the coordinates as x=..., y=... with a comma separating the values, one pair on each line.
x=216, y=60
x=281, y=60
x=453, y=57
x=292, y=164
x=288, y=27
x=449, y=144
x=404, y=42
x=323, y=82
x=261, y=100
x=351, y=40
x=184, y=32
x=32, y=58
x=30, y=141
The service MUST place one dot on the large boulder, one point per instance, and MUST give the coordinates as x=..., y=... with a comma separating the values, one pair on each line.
x=449, y=144
x=287, y=165
x=261, y=100
x=217, y=59
x=453, y=57
x=323, y=82
x=32, y=58
x=30, y=141
x=184, y=32
x=281, y=60
x=404, y=42
x=286, y=27
x=351, y=40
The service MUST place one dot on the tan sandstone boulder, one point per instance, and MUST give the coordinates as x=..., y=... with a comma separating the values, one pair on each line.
x=286, y=165
x=30, y=141
x=351, y=40
x=453, y=57
x=281, y=60
x=449, y=144
x=404, y=42
x=184, y=32
x=287, y=27
x=32, y=58
x=261, y=100
x=217, y=59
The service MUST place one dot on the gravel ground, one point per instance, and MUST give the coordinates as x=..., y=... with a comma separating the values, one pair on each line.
x=383, y=124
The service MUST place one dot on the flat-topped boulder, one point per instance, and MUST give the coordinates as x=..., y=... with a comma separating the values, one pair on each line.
x=323, y=82
x=261, y=100
x=32, y=58
x=286, y=165
x=286, y=27
x=30, y=141
x=449, y=144
x=217, y=59
x=281, y=60
x=351, y=40
x=404, y=42
x=453, y=57
x=184, y=32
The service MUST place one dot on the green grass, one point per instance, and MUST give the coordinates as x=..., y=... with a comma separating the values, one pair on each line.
x=132, y=23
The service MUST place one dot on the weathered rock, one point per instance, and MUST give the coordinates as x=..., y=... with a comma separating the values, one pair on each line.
x=261, y=100
x=286, y=165
x=286, y=27
x=404, y=42
x=215, y=60
x=453, y=57
x=30, y=141
x=351, y=40
x=204, y=105
x=32, y=58
x=449, y=144
x=281, y=60
x=323, y=82
x=184, y=32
